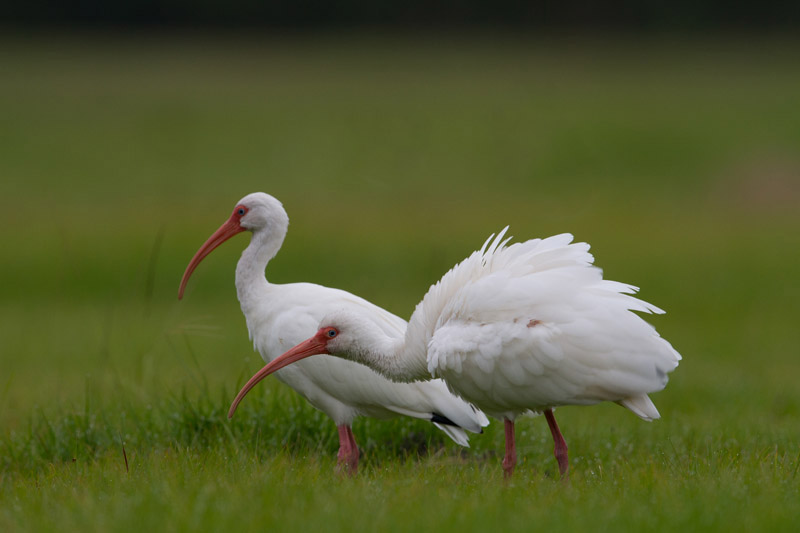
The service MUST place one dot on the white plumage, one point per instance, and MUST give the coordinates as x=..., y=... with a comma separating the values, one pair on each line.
x=517, y=328
x=280, y=316
x=533, y=325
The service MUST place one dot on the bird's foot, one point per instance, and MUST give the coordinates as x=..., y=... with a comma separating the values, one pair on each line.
x=347, y=458
x=563, y=462
x=347, y=462
x=508, y=466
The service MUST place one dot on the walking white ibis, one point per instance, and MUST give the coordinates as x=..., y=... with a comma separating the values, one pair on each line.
x=280, y=316
x=514, y=328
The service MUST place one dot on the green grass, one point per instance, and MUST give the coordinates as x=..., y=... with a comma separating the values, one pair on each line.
x=678, y=162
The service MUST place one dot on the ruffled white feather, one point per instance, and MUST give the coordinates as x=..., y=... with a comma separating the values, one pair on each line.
x=533, y=325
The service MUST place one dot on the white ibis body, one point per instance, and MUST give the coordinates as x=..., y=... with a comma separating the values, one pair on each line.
x=513, y=329
x=281, y=315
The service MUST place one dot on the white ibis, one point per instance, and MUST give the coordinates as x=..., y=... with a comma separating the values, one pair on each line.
x=512, y=329
x=280, y=316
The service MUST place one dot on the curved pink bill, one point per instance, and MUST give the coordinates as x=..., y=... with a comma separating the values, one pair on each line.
x=230, y=228
x=313, y=346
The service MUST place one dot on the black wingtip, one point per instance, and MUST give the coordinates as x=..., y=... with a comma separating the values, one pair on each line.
x=436, y=418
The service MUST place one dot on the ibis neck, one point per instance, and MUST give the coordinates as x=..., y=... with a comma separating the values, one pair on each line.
x=393, y=358
x=250, y=277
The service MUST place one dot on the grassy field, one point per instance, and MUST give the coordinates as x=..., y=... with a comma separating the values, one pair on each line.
x=678, y=161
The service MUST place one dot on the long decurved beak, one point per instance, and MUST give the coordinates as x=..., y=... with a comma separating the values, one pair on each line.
x=230, y=228
x=307, y=348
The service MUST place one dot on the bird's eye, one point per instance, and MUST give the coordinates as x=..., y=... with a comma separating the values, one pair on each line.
x=332, y=333
x=241, y=211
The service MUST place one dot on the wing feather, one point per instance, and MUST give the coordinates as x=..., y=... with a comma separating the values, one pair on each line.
x=535, y=325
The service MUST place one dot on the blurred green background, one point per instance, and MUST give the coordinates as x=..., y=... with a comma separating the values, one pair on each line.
x=677, y=158
x=678, y=162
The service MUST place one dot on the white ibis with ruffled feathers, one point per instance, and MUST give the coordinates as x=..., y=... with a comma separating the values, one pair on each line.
x=513, y=329
x=279, y=316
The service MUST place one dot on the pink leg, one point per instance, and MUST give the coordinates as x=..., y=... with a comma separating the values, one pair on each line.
x=353, y=449
x=560, y=449
x=510, y=460
x=347, y=459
